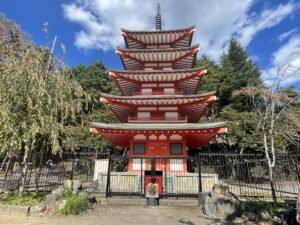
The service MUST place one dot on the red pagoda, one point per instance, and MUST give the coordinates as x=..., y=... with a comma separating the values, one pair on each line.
x=159, y=109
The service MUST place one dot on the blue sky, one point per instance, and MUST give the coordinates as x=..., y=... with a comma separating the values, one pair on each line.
x=90, y=29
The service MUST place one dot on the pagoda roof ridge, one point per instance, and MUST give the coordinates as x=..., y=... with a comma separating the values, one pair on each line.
x=158, y=31
x=158, y=126
x=159, y=96
x=157, y=49
x=158, y=71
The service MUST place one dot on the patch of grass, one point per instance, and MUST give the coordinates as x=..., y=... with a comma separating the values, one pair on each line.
x=67, y=193
x=75, y=204
x=28, y=199
x=273, y=209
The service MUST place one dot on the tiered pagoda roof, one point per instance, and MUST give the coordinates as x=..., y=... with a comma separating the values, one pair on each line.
x=166, y=38
x=159, y=87
x=197, y=134
x=186, y=80
x=190, y=106
x=175, y=58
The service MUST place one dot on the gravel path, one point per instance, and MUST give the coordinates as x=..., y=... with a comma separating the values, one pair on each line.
x=117, y=215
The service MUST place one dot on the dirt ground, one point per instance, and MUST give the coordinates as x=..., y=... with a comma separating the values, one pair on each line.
x=119, y=215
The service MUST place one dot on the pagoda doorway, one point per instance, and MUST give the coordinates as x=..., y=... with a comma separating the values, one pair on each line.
x=158, y=149
x=149, y=175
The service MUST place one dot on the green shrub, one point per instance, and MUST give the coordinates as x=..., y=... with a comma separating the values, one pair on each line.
x=75, y=204
x=67, y=193
x=29, y=198
x=273, y=209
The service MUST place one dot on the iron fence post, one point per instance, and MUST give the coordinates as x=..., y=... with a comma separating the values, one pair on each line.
x=108, y=177
x=199, y=173
x=296, y=166
x=142, y=188
x=165, y=186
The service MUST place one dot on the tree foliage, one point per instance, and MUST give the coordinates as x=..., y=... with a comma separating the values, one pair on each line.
x=93, y=79
x=37, y=101
x=237, y=71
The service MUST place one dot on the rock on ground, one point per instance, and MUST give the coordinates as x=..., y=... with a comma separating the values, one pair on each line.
x=37, y=208
x=58, y=191
x=68, y=184
x=249, y=216
x=220, y=203
x=50, y=200
x=264, y=215
x=77, y=185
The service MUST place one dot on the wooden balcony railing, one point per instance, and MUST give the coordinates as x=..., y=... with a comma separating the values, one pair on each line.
x=158, y=93
x=158, y=118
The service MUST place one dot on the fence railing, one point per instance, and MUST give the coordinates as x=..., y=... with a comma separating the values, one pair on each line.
x=246, y=175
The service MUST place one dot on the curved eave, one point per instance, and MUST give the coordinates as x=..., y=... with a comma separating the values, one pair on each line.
x=186, y=81
x=112, y=98
x=190, y=106
x=145, y=39
x=158, y=31
x=196, y=134
x=178, y=58
x=157, y=76
x=172, y=50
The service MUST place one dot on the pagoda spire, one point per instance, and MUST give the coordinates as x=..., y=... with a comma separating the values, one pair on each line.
x=158, y=18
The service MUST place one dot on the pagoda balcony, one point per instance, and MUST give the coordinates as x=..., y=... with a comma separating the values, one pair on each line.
x=158, y=93
x=163, y=119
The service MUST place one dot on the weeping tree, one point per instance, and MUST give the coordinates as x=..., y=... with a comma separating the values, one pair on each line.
x=37, y=98
x=277, y=111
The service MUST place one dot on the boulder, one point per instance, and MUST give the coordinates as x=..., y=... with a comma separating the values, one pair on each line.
x=276, y=220
x=239, y=220
x=50, y=200
x=62, y=204
x=68, y=184
x=249, y=216
x=221, y=189
x=215, y=205
x=59, y=205
x=264, y=215
x=207, y=203
x=37, y=208
x=77, y=185
x=58, y=191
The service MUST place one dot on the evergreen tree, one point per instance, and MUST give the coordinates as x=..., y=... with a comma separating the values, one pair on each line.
x=94, y=80
x=237, y=71
x=210, y=81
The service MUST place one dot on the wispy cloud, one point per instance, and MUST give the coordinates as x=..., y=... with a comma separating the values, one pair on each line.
x=287, y=34
x=216, y=22
x=268, y=18
x=285, y=61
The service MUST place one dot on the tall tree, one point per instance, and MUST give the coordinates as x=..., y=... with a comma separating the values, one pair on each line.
x=237, y=71
x=94, y=79
x=275, y=111
x=36, y=101
x=210, y=81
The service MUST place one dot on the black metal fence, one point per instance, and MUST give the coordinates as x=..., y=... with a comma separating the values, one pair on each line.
x=49, y=172
x=246, y=175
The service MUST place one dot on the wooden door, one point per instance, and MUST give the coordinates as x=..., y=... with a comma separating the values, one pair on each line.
x=158, y=181
x=158, y=148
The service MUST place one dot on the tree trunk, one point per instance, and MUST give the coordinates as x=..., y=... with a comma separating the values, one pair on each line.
x=273, y=191
x=26, y=159
x=270, y=167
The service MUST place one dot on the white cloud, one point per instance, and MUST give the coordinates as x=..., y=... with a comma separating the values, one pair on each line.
x=287, y=34
x=101, y=21
x=267, y=19
x=285, y=62
x=216, y=20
